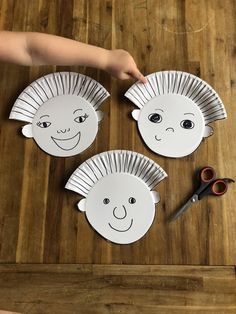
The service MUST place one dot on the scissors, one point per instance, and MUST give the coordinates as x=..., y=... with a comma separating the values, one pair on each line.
x=209, y=185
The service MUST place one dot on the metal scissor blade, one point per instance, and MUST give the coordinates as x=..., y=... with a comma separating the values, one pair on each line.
x=192, y=200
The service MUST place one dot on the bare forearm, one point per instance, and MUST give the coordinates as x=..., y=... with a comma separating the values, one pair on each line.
x=37, y=49
x=28, y=48
x=50, y=49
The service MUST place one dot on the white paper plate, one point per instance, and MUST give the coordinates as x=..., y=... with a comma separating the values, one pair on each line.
x=174, y=111
x=118, y=203
x=62, y=111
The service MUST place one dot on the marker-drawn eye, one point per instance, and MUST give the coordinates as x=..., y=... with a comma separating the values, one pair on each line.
x=132, y=200
x=81, y=119
x=106, y=201
x=44, y=124
x=155, y=117
x=187, y=124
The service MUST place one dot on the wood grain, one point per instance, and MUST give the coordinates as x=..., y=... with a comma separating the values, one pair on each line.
x=132, y=289
x=38, y=220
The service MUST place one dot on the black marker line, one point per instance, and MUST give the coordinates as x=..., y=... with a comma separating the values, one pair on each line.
x=190, y=87
x=201, y=88
x=155, y=75
x=184, y=84
x=86, y=88
x=150, y=82
x=62, y=83
x=77, y=188
x=91, y=90
x=179, y=79
x=34, y=88
x=78, y=184
x=214, y=118
x=147, y=173
x=76, y=82
x=187, y=85
x=49, y=86
x=92, y=170
x=142, y=93
x=208, y=100
x=136, y=98
x=194, y=89
x=139, y=165
x=145, y=86
x=157, y=179
x=138, y=95
x=32, y=99
x=16, y=111
x=91, y=100
x=100, y=100
x=101, y=158
x=213, y=112
x=134, y=163
x=55, y=80
x=216, y=106
x=86, y=175
x=205, y=94
x=145, y=165
x=69, y=82
x=27, y=103
x=110, y=162
x=80, y=178
x=97, y=167
x=42, y=89
x=24, y=110
x=82, y=84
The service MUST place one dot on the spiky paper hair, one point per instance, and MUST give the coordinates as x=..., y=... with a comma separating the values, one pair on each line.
x=181, y=83
x=55, y=84
x=116, y=161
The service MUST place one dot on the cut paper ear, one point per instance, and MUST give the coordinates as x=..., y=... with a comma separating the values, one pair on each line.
x=155, y=196
x=27, y=131
x=100, y=115
x=208, y=131
x=81, y=205
x=135, y=114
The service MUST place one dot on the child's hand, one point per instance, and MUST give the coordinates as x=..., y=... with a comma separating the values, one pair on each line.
x=121, y=65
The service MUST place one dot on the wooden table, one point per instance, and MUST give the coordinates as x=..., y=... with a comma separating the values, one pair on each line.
x=38, y=219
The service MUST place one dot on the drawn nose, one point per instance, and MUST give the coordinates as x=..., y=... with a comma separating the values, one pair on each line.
x=170, y=129
x=120, y=212
x=63, y=131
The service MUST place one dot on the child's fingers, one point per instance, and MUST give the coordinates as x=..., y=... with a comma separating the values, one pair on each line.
x=136, y=74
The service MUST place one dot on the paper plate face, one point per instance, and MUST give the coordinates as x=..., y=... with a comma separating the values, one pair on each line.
x=119, y=203
x=171, y=125
x=120, y=208
x=62, y=111
x=65, y=125
x=174, y=110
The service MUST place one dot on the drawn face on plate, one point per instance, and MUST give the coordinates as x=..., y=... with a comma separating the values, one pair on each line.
x=120, y=207
x=171, y=125
x=65, y=125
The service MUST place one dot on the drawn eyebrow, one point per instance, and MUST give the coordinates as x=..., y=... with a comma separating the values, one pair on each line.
x=189, y=113
x=76, y=110
x=160, y=110
x=46, y=115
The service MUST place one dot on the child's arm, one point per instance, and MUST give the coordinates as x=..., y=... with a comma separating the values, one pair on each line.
x=38, y=49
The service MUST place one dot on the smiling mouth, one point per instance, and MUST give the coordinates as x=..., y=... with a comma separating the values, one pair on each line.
x=157, y=139
x=67, y=143
x=124, y=230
